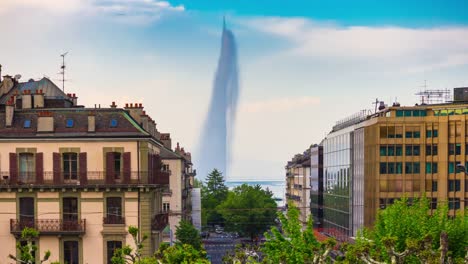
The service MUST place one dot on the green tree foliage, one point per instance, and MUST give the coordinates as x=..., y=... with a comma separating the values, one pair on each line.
x=294, y=245
x=249, y=210
x=27, y=250
x=243, y=255
x=213, y=193
x=186, y=233
x=180, y=254
x=408, y=233
x=126, y=254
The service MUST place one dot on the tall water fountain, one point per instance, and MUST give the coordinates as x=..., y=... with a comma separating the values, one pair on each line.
x=214, y=149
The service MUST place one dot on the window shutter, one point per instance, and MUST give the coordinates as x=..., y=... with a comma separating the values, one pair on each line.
x=13, y=168
x=40, y=168
x=126, y=167
x=83, y=168
x=56, y=167
x=110, y=171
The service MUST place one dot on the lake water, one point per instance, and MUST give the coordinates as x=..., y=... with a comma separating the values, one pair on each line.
x=277, y=187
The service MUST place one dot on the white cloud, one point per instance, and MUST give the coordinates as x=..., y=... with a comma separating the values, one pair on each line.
x=414, y=48
x=132, y=11
x=279, y=104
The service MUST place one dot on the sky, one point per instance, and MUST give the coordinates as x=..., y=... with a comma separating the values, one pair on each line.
x=303, y=65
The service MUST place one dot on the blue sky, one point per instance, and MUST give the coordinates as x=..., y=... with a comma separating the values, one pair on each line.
x=303, y=64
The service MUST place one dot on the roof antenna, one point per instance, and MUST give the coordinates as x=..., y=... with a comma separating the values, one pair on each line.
x=63, y=70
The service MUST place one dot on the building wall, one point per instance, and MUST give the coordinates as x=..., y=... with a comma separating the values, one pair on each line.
x=358, y=181
x=175, y=198
x=337, y=167
x=316, y=185
x=8, y=209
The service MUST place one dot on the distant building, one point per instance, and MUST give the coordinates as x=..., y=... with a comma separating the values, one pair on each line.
x=81, y=176
x=298, y=183
x=316, y=184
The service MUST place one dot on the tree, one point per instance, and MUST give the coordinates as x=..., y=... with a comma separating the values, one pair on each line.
x=249, y=210
x=406, y=233
x=27, y=251
x=294, y=245
x=180, y=254
x=243, y=254
x=186, y=233
x=127, y=254
x=213, y=193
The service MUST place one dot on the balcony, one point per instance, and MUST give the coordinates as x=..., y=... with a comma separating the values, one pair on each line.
x=191, y=173
x=83, y=179
x=114, y=220
x=49, y=226
x=160, y=221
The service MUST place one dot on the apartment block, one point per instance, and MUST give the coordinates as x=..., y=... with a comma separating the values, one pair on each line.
x=298, y=183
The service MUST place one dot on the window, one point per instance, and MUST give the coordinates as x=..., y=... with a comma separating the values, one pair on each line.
x=111, y=247
x=383, y=150
x=26, y=167
x=416, y=167
x=69, y=123
x=70, y=252
x=454, y=185
x=431, y=150
x=454, y=203
x=435, y=133
x=434, y=186
x=114, y=211
x=27, y=123
x=466, y=149
x=454, y=149
x=416, y=150
x=383, y=168
x=458, y=149
x=391, y=168
x=391, y=150
x=409, y=150
x=453, y=166
x=412, y=167
x=166, y=207
x=113, y=123
x=70, y=211
x=399, y=113
x=117, y=165
x=409, y=134
x=399, y=150
x=70, y=166
x=428, y=133
x=407, y=113
x=433, y=204
x=416, y=134
x=26, y=211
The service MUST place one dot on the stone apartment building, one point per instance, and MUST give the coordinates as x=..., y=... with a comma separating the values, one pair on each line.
x=298, y=183
x=80, y=176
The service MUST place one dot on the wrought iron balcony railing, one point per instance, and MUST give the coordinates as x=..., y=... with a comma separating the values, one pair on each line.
x=49, y=226
x=160, y=221
x=83, y=178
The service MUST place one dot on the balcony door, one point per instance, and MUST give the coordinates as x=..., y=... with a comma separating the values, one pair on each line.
x=114, y=211
x=26, y=212
x=70, y=166
x=26, y=167
x=71, y=252
x=70, y=213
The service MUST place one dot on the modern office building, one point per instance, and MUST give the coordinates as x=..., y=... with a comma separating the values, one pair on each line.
x=372, y=158
x=80, y=176
x=298, y=183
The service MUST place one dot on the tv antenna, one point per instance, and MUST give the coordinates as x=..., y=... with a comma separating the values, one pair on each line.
x=62, y=72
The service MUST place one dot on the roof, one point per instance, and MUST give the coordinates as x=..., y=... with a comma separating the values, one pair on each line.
x=49, y=89
x=126, y=126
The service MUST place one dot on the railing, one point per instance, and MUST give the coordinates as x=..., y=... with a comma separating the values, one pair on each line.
x=84, y=178
x=160, y=221
x=114, y=220
x=49, y=226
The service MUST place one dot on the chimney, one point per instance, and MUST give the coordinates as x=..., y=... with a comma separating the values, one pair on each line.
x=26, y=99
x=9, y=113
x=74, y=100
x=38, y=99
x=144, y=121
x=113, y=105
x=6, y=84
x=135, y=111
x=91, y=122
x=166, y=140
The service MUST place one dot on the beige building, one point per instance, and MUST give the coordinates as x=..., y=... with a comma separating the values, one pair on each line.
x=80, y=176
x=298, y=183
x=177, y=200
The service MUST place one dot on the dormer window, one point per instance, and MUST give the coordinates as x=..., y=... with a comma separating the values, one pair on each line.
x=27, y=123
x=69, y=123
x=113, y=123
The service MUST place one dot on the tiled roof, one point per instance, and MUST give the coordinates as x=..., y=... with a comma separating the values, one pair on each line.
x=49, y=89
x=126, y=126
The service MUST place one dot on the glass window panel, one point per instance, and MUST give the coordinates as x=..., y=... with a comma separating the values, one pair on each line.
x=407, y=112
x=409, y=134
x=428, y=167
x=399, y=113
x=383, y=150
x=415, y=112
x=416, y=150
x=399, y=150
x=409, y=150
x=429, y=133
x=391, y=150
x=391, y=168
x=399, y=168
x=435, y=133
x=416, y=167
